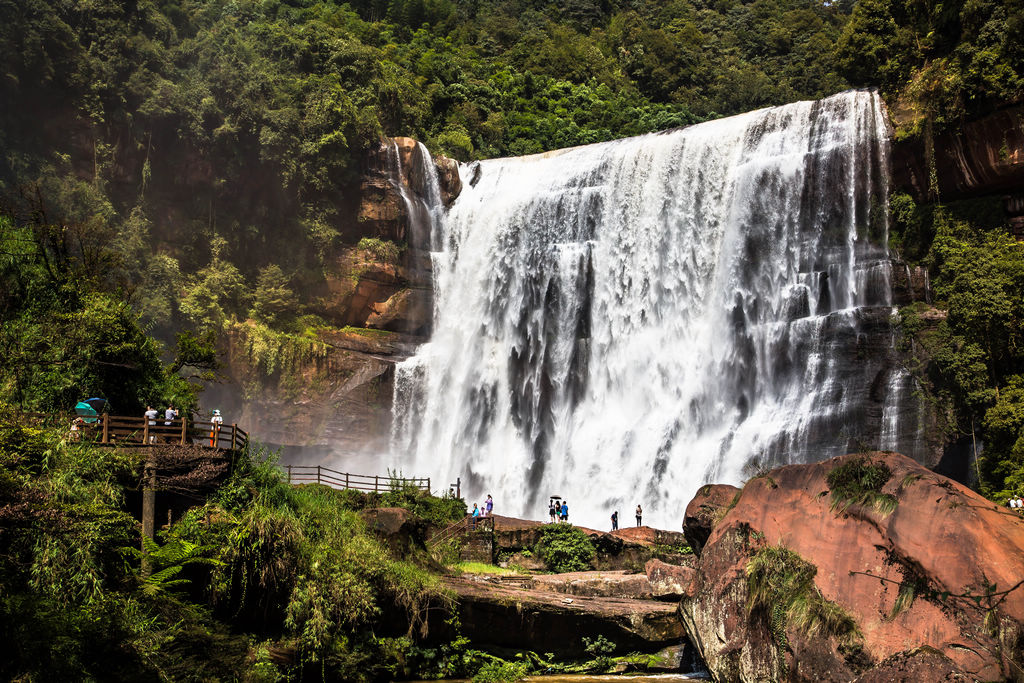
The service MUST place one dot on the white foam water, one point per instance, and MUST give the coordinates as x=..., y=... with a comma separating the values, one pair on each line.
x=623, y=322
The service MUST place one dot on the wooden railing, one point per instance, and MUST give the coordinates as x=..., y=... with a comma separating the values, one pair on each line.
x=460, y=528
x=140, y=431
x=318, y=474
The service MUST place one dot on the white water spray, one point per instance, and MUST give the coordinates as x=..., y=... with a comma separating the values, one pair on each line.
x=623, y=322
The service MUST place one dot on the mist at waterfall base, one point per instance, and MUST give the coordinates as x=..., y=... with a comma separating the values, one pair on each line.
x=621, y=323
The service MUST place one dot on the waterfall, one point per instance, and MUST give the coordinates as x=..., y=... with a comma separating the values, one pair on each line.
x=623, y=322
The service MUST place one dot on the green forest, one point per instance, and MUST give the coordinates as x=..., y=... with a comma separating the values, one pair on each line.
x=171, y=168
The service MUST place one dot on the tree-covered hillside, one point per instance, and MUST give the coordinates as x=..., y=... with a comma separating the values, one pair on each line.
x=197, y=162
x=169, y=122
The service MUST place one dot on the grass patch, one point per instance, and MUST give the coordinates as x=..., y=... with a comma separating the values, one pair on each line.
x=366, y=332
x=483, y=568
x=859, y=481
x=781, y=584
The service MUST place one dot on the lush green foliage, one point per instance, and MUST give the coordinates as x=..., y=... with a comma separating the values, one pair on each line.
x=203, y=157
x=61, y=340
x=287, y=569
x=780, y=584
x=970, y=361
x=565, y=548
x=859, y=481
x=937, y=62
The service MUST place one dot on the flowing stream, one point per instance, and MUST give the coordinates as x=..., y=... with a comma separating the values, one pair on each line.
x=623, y=322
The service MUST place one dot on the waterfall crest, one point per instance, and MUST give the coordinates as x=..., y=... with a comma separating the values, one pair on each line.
x=623, y=322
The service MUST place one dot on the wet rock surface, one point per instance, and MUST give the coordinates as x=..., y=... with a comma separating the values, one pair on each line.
x=546, y=621
x=961, y=554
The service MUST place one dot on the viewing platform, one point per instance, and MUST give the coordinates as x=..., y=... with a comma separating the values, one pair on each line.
x=141, y=432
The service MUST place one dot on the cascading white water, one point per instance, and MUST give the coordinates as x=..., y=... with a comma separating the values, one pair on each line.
x=623, y=322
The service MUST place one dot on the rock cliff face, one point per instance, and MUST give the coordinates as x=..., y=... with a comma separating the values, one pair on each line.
x=935, y=584
x=984, y=157
x=337, y=394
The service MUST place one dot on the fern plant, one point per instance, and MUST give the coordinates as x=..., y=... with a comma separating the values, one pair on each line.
x=166, y=562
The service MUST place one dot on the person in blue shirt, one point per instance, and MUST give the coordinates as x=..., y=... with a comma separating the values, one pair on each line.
x=565, y=511
x=476, y=515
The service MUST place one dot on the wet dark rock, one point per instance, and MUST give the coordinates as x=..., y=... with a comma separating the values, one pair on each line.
x=543, y=621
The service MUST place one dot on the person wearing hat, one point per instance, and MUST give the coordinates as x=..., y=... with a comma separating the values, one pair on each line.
x=217, y=421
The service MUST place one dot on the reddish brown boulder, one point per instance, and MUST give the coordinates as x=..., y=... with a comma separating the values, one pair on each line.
x=669, y=581
x=704, y=511
x=959, y=553
x=922, y=664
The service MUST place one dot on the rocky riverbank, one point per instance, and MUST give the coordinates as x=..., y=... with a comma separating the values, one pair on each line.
x=866, y=567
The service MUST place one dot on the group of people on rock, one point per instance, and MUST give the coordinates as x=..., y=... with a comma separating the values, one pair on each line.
x=639, y=518
x=1017, y=503
x=558, y=510
x=485, y=509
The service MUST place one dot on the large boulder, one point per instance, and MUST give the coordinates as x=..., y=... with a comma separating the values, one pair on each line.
x=669, y=581
x=400, y=529
x=920, y=562
x=704, y=511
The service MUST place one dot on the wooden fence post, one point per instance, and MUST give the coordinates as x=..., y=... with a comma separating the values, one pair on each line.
x=376, y=482
x=318, y=474
x=234, y=433
x=145, y=430
x=428, y=484
x=106, y=428
x=346, y=480
x=289, y=474
x=184, y=429
x=148, y=507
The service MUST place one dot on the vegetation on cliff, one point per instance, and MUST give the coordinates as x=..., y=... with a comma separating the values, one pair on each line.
x=780, y=586
x=968, y=353
x=209, y=153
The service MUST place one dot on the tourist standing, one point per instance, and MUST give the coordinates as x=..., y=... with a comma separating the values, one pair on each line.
x=552, y=512
x=488, y=506
x=615, y=520
x=565, y=511
x=170, y=414
x=217, y=421
x=151, y=415
x=639, y=515
x=475, y=516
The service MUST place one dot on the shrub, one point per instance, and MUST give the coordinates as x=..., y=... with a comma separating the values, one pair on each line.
x=565, y=548
x=501, y=672
x=859, y=481
x=382, y=250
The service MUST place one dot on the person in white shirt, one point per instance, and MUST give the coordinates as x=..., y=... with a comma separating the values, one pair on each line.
x=151, y=415
x=217, y=421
